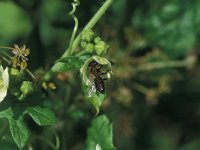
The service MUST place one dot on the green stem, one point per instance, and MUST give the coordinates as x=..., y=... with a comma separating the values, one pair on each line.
x=57, y=145
x=165, y=64
x=90, y=25
x=4, y=47
x=31, y=74
x=140, y=87
x=76, y=42
x=73, y=36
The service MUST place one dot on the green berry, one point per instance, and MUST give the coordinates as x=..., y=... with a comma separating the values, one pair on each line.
x=87, y=35
x=90, y=48
x=15, y=73
x=97, y=40
x=101, y=48
x=26, y=88
x=15, y=76
x=83, y=44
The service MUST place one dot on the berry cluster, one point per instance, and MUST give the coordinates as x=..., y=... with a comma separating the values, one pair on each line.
x=92, y=43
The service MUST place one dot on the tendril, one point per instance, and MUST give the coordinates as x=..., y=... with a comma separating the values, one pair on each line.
x=74, y=4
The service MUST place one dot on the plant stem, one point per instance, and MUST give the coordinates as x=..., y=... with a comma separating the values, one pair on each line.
x=139, y=87
x=76, y=42
x=31, y=74
x=4, y=47
x=164, y=64
x=90, y=25
x=69, y=51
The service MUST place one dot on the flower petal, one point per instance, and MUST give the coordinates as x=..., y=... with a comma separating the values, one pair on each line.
x=5, y=77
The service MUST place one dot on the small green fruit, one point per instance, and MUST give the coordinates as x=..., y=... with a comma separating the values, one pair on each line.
x=83, y=44
x=26, y=89
x=90, y=48
x=87, y=35
x=97, y=40
x=101, y=48
x=15, y=76
x=14, y=73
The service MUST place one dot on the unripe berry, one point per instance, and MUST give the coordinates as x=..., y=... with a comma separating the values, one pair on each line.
x=97, y=40
x=101, y=48
x=87, y=35
x=15, y=76
x=14, y=72
x=90, y=48
x=26, y=89
x=83, y=44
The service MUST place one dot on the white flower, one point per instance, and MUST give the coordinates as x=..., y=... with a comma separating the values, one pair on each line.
x=98, y=147
x=4, y=81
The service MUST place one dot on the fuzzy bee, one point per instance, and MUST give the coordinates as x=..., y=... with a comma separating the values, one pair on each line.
x=96, y=78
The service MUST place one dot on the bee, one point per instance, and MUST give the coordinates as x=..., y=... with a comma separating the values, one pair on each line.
x=96, y=78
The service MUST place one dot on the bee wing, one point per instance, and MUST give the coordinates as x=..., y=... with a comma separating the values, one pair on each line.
x=92, y=89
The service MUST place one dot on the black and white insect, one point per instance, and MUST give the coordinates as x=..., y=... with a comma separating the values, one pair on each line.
x=96, y=78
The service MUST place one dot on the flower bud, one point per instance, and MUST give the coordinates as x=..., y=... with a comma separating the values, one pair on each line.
x=101, y=48
x=90, y=48
x=14, y=73
x=97, y=40
x=26, y=89
x=87, y=35
x=83, y=44
x=15, y=76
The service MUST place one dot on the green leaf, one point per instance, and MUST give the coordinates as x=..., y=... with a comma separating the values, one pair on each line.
x=7, y=113
x=97, y=100
x=7, y=144
x=173, y=29
x=100, y=134
x=10, y=30
x=66, y=64
x=19, y=131
x=42, y=116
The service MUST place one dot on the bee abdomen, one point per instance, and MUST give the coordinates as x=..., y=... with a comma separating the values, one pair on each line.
x=99, y=84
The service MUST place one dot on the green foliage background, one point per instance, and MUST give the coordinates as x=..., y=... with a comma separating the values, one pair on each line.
x=153, y=96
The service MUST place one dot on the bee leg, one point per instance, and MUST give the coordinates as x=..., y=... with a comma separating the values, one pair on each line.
x=105, y=73
x=105, y=79
x=99, y=67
